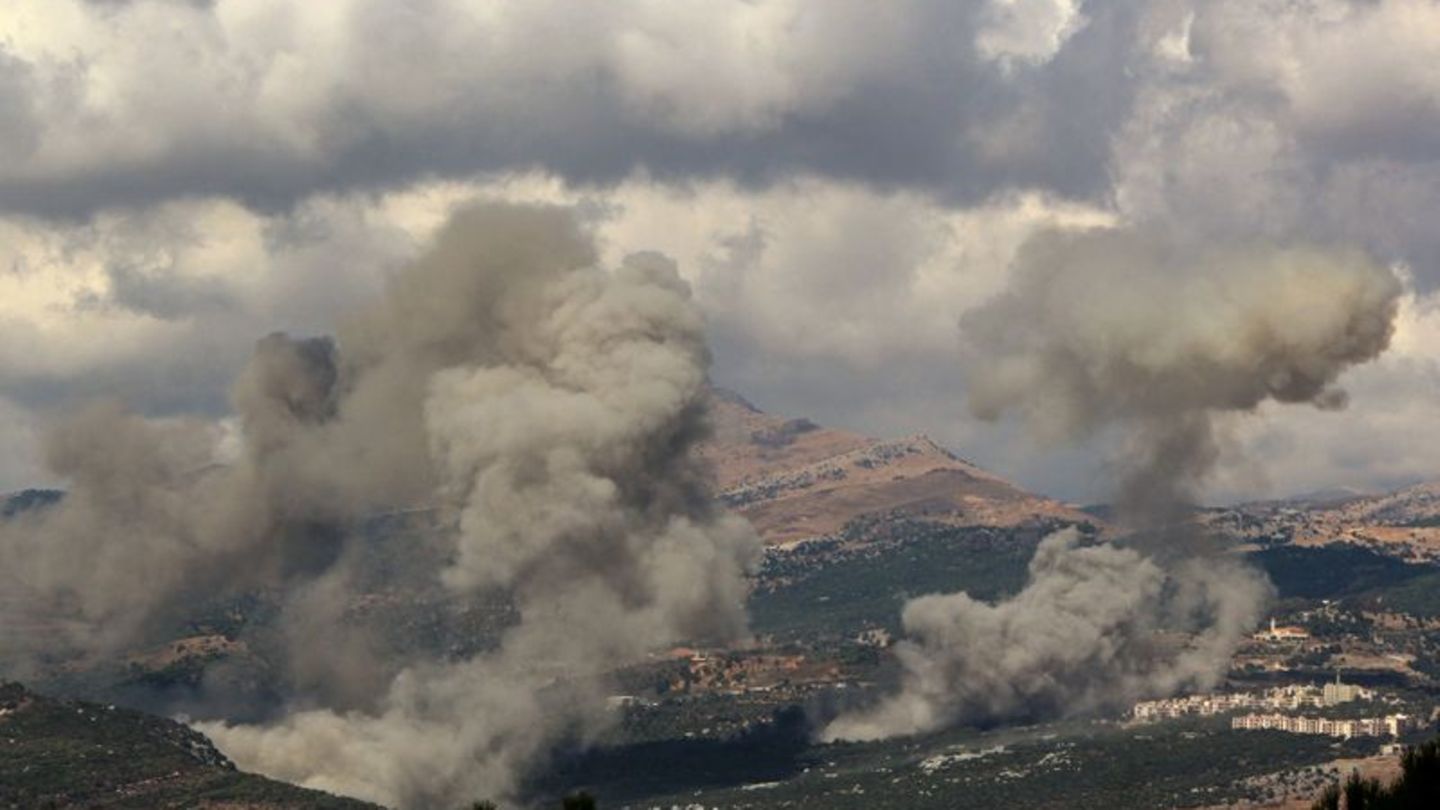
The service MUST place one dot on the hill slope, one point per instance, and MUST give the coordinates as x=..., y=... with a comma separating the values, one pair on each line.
x=1404, y=523
x=796, y=480
x=72, y=754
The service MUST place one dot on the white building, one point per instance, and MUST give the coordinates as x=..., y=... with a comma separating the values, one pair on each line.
x=1289, y=633
x=1392, y=725
x=1337, y=692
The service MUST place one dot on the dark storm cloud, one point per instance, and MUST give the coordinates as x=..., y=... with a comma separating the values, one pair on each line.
x=919, y=114
x=162, y=296
x=19, y=129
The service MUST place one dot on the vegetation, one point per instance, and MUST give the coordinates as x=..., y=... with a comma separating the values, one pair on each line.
x=1426, y=521
x=1419, y=596
x=1417, y=788
x=1065, y=765
x=753, y=749
x=1332, y=571
x=863, y=578
x=575, y=801
x=578, y=801
x=75, y=754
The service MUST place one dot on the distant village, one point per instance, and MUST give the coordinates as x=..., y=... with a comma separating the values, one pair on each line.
x=1284, y=633
x=1391, y=725
x=1278, y=701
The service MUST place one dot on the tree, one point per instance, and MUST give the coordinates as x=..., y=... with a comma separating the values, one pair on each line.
x=1417, y=788
x=578, y=801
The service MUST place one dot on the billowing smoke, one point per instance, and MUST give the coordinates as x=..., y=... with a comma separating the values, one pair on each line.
x=1096, y=627
x=542, y=407
x=143, y=506
x=1126, y=330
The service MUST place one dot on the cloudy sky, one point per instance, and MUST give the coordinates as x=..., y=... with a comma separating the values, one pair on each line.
x=841, y=182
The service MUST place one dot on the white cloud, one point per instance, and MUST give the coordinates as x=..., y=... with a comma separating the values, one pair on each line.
x=810, y=277
x=271, y=101
x=295, y=90
x=176, y=293
x=708, y=68
x=1343, y=69
x=1030, y=31
x=1289, y=119
x=808, y=268
x=801, y=272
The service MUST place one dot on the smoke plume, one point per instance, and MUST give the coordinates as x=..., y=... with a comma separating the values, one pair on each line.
x=1129, y=329
x=1126, y=330
x=1094, y=628
x=543, y=407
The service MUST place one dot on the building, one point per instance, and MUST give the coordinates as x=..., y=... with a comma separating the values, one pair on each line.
x=1287, y=633
x=1393, y=725
x=1294, y=696
x=1398, y=724
x=1337, y=692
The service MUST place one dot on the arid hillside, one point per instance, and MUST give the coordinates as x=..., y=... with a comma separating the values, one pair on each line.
x=1404, y=523
x=796, y=480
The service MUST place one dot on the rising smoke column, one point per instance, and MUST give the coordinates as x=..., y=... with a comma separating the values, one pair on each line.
x=1126, y=329
x=1081, y=636
x=565, y=458
x=1130, y=329
x=160, y=512
x=543, y=406
x=152, y=519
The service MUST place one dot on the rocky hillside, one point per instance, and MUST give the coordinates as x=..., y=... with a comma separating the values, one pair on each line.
x=1404, y=523
x=796, y=480
x=72, y=754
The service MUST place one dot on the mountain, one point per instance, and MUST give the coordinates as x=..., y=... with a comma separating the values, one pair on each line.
x=796, y=480
x=14, y=503
x=1403, y=523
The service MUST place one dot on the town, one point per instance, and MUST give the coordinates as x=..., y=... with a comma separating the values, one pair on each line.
x=1294, y=696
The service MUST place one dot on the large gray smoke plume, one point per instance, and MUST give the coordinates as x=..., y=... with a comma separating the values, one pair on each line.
x=543, y=406
x=1094, y=628
x=1124, y=329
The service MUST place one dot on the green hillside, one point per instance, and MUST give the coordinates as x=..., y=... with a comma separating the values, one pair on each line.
x=72, y=754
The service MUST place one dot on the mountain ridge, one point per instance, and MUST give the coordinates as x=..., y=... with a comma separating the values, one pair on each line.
x=797, y=480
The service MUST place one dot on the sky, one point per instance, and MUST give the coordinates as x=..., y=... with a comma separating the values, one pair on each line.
x=840, y=183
